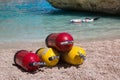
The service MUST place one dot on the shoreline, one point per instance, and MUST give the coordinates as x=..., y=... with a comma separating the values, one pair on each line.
x=41, y=43
x=102, y=62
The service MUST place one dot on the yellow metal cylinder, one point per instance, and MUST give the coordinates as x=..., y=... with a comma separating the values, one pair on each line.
x=49, y=56
x=75, y=56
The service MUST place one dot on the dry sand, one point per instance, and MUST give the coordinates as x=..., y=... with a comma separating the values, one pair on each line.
x=102, y=62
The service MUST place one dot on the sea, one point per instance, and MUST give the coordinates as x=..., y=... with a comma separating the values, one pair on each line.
x=34, y=20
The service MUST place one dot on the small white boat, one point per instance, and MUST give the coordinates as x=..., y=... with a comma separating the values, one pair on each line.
x=84, y=20
x=76, y=21
x=88, y=20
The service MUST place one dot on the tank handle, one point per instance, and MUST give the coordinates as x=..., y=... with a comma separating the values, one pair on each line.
x=53, y=58
x=66, y=42
x=81, y=55
x=37, y=64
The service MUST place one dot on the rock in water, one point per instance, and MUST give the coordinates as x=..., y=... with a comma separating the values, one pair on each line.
x=106, y=6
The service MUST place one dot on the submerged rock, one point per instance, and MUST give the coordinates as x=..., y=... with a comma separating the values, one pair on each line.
x=106, y=6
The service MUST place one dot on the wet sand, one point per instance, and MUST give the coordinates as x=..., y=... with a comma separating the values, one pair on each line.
x=102, y=62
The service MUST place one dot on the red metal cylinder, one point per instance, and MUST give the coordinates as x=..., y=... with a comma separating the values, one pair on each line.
x=62, y=42
x=25, y=59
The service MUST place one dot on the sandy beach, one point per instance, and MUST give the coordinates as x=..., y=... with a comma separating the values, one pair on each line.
x=102, y=62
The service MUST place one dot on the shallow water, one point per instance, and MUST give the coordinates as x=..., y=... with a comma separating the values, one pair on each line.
x=28, y=21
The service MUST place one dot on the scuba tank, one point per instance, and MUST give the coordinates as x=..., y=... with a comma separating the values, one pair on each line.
x=60, y=41
x=48, y=55
x=75, y=56
x=27, y=60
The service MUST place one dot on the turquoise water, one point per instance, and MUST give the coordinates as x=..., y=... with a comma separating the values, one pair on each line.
x=28, y=21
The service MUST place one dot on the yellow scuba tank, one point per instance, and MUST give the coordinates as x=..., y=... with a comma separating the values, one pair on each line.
x=48, y=55
x=75, y=56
